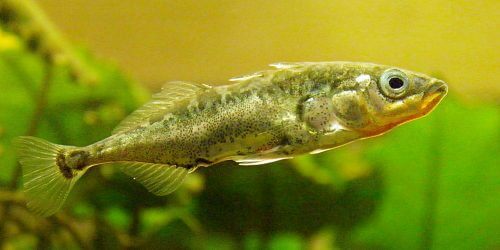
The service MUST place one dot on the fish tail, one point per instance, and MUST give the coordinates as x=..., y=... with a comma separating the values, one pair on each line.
x=47, y=176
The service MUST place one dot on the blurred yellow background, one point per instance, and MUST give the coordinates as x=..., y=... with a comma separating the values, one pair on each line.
x=211, y=41
x=418, y=187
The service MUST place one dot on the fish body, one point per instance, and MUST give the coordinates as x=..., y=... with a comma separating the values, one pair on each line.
x=260, y=118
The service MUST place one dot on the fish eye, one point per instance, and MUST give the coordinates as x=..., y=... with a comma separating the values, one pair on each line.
x=393, y=83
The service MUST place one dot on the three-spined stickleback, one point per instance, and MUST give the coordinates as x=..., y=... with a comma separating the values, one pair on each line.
x=292, y=109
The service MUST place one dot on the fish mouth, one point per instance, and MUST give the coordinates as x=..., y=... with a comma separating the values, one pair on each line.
x=433, y=95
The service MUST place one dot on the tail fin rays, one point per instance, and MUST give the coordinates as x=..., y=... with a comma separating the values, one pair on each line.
x=45, y=186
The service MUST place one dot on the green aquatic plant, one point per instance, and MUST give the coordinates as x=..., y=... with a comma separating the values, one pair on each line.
x=41, y=75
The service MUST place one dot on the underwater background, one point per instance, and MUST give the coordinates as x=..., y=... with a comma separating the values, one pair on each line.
x=71, y=70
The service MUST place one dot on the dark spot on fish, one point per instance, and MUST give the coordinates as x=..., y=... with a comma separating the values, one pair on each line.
x=60, y=159
x=79, y=158
x=65, y=170
x=203, y=161
x=285, y=140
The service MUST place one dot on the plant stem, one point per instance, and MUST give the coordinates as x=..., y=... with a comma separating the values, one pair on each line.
x=133, y=231
x=66, y=222
x=13, y=198
x=32, y=18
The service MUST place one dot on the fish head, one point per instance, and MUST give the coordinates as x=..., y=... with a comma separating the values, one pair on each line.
x=380, y=97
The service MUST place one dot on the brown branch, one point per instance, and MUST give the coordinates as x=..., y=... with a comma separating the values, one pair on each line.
x=66, y=222
x=133, y=240
x=7, y=196
x=12, y=198
x=30, y=23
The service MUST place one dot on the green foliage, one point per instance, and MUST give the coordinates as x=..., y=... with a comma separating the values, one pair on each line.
x=458, y=146
x=73, y=111
x=286, y=241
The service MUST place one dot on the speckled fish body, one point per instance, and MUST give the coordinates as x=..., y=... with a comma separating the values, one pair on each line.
x=260, y=118
x=257, y=118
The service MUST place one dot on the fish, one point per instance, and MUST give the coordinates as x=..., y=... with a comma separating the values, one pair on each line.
x=275, y=114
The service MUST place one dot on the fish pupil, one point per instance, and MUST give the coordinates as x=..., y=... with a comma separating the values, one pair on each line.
x=396, y=83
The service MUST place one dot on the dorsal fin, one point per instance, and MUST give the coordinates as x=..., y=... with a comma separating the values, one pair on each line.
x=159, y=179
x=246, y=77
x=287, y=65
x=161, y=103
x=260, y=74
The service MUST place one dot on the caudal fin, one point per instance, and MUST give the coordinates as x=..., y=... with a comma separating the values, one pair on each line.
x=46, y=184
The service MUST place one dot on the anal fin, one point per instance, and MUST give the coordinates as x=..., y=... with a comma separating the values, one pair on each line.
x=159, y=179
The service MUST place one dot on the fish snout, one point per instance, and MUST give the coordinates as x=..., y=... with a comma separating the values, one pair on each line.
x=433, y=95
x=437, y=87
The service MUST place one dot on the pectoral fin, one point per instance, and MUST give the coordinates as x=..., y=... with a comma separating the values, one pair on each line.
x=157, y=178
